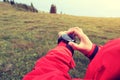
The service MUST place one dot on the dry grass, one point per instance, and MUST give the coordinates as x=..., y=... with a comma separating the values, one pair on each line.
x=26, y=36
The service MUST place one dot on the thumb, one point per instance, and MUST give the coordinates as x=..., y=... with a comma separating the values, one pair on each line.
x=74, y=45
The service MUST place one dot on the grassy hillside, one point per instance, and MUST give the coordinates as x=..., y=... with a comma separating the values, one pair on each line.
x=26, y=36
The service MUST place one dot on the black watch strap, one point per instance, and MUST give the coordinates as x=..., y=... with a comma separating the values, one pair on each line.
x=65, y=38
x=94, y=52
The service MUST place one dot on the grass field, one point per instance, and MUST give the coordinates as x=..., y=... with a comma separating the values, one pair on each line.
x=27, y=36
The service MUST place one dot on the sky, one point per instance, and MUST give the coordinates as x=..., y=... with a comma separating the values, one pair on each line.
x=94, y=8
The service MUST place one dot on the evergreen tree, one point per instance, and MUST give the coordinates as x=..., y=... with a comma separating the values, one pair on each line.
x=4, y=0
x=32, y=5
x=53, y=9
x=33, y=8
x=12, y=2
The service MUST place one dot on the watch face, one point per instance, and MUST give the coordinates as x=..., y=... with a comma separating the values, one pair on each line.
x=67, y=37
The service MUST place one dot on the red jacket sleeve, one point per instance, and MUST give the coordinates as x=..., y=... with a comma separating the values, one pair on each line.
x=106, y=63
x=95, y=49
x=53, y=66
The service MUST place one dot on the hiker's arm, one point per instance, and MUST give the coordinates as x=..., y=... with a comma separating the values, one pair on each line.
x=54, y=65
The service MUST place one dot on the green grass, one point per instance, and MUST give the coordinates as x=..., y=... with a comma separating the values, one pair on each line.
x=27, y=36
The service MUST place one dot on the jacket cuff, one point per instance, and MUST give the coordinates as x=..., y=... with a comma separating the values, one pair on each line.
x=62, y=43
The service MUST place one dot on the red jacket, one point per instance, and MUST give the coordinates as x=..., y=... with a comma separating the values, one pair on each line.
x=58, y=61
x=106, y=64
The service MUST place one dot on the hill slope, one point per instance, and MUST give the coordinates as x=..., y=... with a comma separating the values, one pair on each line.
x=26, y=36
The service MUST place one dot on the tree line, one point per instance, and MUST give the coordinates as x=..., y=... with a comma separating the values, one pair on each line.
x=9, y=1
x=53, y=9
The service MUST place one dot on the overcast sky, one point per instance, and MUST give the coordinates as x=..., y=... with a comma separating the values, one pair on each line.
x=96, y=8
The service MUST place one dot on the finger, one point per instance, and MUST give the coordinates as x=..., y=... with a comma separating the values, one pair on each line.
x=76, y=31
x=79, y=32
x=74, y=45
x=61, y=33
x=71, y=30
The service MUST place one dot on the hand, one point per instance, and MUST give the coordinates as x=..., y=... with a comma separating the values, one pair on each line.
x=85, y=45
x=61, y=33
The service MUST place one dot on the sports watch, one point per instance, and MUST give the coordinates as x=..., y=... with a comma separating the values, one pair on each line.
x=66, y=38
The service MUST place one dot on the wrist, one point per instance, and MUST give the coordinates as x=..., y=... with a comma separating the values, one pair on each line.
x=62, y=42
x=93, y=51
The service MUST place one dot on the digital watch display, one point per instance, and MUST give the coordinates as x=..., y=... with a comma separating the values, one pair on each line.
x=67, y=38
